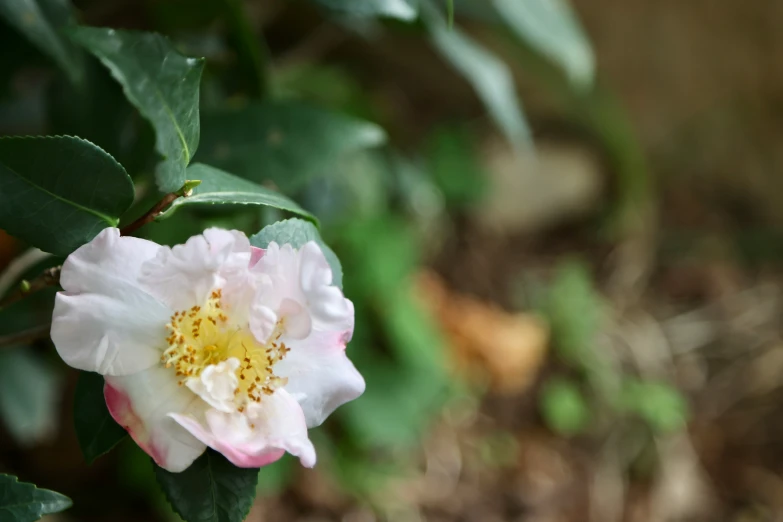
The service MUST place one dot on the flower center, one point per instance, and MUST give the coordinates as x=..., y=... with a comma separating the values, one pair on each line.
x=205, y=336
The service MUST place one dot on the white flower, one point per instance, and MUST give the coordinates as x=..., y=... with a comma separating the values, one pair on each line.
x=211, y=343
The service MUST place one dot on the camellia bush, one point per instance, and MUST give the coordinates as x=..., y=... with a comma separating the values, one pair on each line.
x=176, y=212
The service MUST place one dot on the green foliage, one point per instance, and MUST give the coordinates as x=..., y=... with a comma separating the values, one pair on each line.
x=23, y=502
x=58, y=192
x=29, y=395
x=43, y=22
x=162, y=84
x=408, y=381
x=575, y=313
x=401, y=9
x=210, y=490
x=298, y=232
x=563, y=407
x=551, y=27
x=454, y=167
x=489, y=75
x=95, y=428
x=273, y=478
x=97, y=111
x=285, y=143
x=221, y=188
x=660, y=405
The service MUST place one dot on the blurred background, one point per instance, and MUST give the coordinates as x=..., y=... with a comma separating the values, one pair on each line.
x=561, y=225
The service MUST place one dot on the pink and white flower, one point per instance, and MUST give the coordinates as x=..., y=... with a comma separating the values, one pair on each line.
x=211, y=343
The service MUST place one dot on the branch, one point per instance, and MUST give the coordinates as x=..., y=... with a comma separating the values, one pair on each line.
x=168, y=199
x=49, y=277
x=19, y=266
x=24, y=336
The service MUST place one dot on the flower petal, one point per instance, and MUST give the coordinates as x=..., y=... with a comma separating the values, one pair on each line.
x=141, y=403
x=257, y=437
x=183, y=276
x=330, y=310
x=104, y=321
x=320, y=376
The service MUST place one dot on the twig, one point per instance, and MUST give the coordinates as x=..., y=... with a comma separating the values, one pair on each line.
x=24, y=336
x=49, y=277
x=168, y=199
x=19, y=266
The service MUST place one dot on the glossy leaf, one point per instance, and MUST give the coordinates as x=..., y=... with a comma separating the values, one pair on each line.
x=23, y=502
x=29, y=395
x=162, y=84
x=57, y=193
x=552, y=27
x=96, y=430
x=42, y=22
x=283, y=143
x=210, y=490
x=221, y=188
x=489, y=75
x=298, y=232
x=401, y=9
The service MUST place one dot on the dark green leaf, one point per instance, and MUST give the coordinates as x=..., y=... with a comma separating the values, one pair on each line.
x=29, y=395
x=401, y=9
x=99, y=112
x=489, y=75
x=23, y=502
x=42, y=22
x=284, y=143
x=221, y=188
x=552, y=27
x=58, y=192
x=162, y=84
x=95, y=428
x=210, y=490
x=298, y=232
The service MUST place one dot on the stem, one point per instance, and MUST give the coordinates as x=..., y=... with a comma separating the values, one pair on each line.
x=160, y=206
x=24, y=336
x=19, y=266
x=49, y=277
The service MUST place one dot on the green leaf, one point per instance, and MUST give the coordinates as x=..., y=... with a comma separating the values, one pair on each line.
x=563, y=407
x=575, y=312
x=29, y=395
x=58, y=192
x=42, y=22
x=95, y=428
x=552, y=27
x=23, y=502
x=454, y=165
x=221, y=188
x=489, y=75
x=210, y=490
x=298, y=232
x=659, y=404
x=162, y=84
x=401, y=9
x=286, y=143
